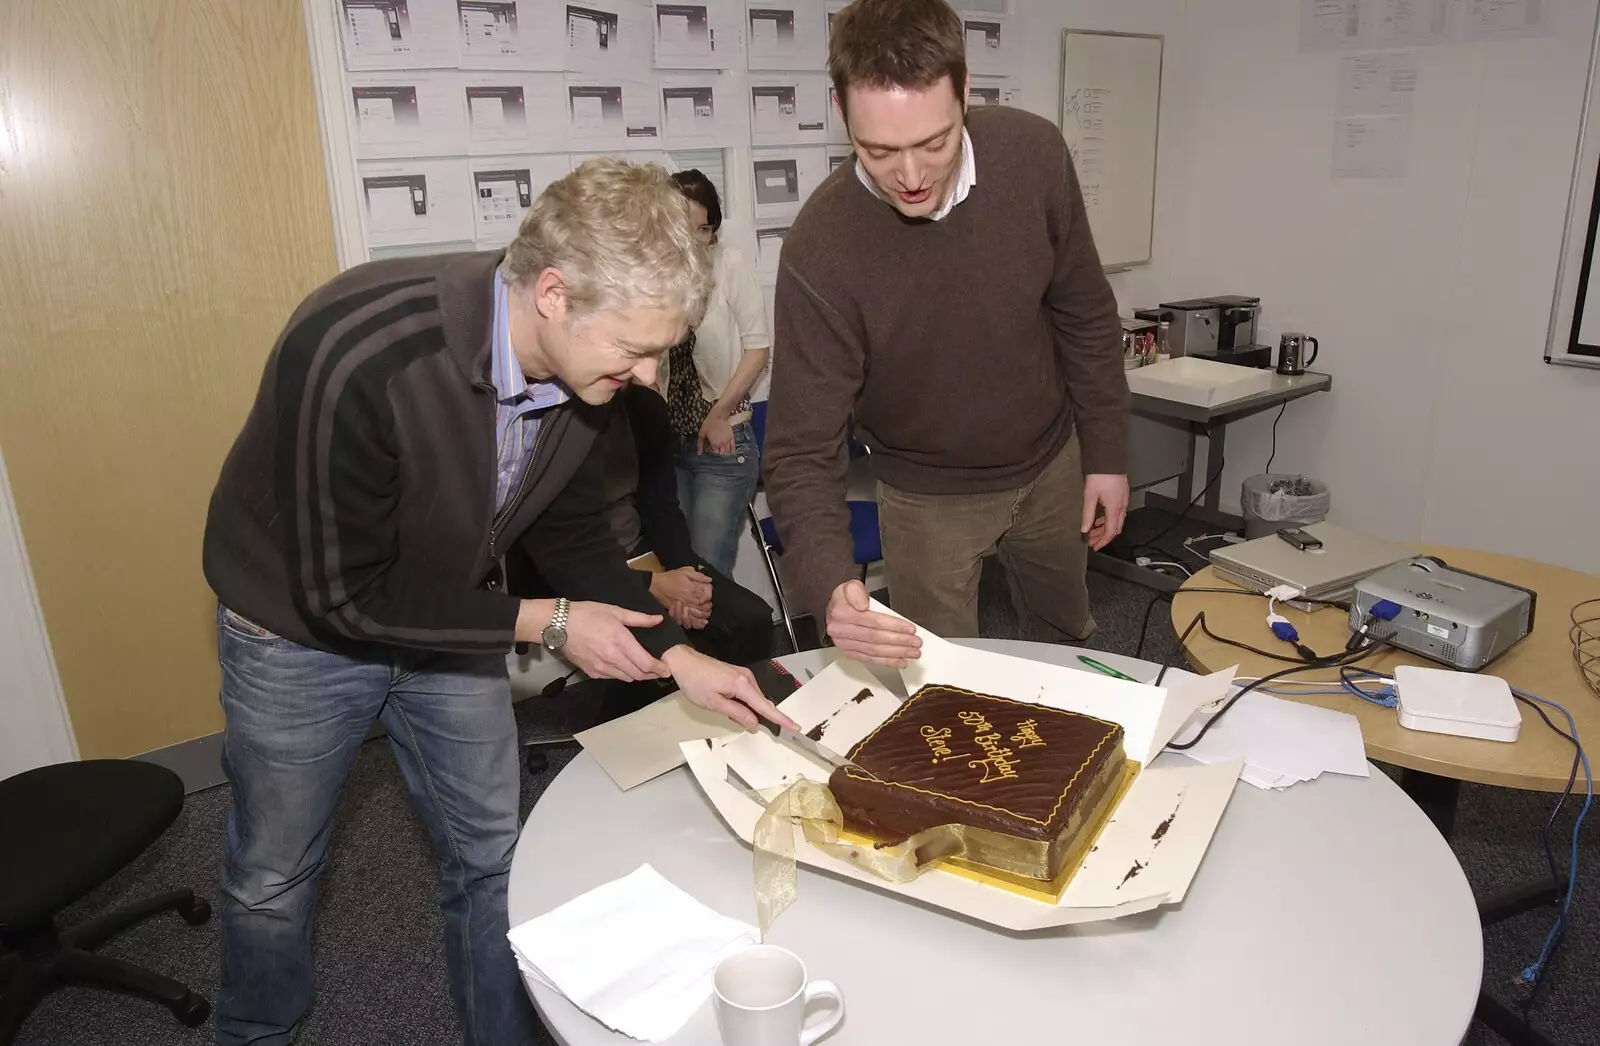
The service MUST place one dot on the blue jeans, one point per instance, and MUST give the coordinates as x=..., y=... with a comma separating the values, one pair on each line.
x=295, y=717
x=714, y=490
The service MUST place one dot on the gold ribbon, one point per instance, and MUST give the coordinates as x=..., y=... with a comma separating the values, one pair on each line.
x=811, y=806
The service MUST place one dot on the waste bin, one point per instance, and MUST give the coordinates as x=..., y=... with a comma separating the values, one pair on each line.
x=1276, y=501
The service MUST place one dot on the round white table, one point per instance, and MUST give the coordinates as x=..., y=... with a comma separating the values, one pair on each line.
x=1330, y=913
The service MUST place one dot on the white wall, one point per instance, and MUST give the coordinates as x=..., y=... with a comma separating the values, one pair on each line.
x=34, y=727
x=1156, y=449
x=1430, y=292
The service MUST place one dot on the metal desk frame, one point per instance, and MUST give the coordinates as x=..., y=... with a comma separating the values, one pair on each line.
x=1210, y=422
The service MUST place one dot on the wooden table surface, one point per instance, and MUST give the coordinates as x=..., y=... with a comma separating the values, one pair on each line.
x=1542, y=664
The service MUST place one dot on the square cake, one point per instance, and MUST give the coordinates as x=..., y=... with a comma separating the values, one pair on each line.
x=1026, y=782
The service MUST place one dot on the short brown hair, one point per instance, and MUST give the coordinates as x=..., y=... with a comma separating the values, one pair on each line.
x=910, y=44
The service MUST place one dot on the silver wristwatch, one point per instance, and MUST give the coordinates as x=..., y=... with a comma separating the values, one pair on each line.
x=554, y=636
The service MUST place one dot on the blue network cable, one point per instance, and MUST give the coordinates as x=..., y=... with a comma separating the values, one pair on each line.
x=1349, y=682
x=1384, y=696
x=1532, y=973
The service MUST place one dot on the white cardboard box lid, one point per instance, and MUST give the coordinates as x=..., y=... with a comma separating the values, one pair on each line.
x=1202, y=382
x=1146, y=856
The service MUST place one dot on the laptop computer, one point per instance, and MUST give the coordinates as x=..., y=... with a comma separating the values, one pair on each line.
x=1328, y=573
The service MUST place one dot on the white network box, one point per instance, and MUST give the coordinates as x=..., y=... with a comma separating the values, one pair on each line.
x=1460, y=703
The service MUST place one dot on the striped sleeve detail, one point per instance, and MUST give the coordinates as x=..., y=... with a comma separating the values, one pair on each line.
x=338, y=478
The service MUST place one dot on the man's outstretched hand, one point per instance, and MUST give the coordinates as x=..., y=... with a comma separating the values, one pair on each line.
x=866, y=634
x=1105, y=508
x=729, y=690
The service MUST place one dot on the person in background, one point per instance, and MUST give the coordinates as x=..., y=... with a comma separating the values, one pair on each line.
x=721, y=618
x=707, y=380
x=944, y=293
x=417, y=418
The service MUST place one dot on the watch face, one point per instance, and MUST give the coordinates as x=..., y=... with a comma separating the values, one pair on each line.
x=554, y=637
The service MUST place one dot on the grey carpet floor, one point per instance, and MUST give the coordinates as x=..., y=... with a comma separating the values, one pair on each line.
x=379, y=957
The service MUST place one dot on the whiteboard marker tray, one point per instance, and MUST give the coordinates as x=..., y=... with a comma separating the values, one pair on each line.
x=1204, y=383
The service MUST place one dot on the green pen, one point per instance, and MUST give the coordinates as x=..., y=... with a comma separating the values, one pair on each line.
x=1106, y=669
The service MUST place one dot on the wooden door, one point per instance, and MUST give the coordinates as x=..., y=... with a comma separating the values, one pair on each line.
x=163, y=208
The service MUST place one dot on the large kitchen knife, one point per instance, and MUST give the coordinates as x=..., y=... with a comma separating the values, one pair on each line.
x=815, y=749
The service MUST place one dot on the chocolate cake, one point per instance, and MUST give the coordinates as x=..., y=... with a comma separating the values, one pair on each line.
x=1026, y=782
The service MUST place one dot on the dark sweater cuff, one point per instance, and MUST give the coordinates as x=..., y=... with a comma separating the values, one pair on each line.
x=663, y=637
x=812, y=594
x=1104, y=445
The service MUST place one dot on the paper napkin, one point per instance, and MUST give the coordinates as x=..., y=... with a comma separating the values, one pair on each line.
x=637, y=953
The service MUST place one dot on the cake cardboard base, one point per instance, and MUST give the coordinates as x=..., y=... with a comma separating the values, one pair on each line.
x=1048, y=891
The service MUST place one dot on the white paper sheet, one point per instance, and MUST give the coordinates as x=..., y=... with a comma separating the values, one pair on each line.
x=1410, y=22
x=407, y=114
x=989, y=44
x=699, y=34
x=769, y=242
x=786, y=34
x=995, y=90
x=1370, y=146
x=511, y=34
x=399, y=34
x=1329, y=24
x=1376, y=84
x=504, y=187
x=701, y=111
x=515, y=112
x=789, y=110
x=613, y=114
x=609, y=38
x=784, y=178
x=416, y=202
x=1282, y=742
x=644, y=745
x=1498, y=19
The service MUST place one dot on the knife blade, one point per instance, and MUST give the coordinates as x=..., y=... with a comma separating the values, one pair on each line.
x=815, y=749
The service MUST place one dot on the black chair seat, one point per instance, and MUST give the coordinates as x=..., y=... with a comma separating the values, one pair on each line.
x=68, y=828
x=64, y=830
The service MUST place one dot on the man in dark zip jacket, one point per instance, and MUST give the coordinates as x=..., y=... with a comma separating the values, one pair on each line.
x=416, y=419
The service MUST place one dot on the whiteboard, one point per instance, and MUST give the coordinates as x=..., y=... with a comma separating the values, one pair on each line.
x=1110, y=115
x=1573, y=335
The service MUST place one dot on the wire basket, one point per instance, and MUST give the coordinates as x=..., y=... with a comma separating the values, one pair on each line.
x=1586, y=641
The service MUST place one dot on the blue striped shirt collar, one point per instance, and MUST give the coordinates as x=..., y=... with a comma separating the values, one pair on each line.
x=510, y=384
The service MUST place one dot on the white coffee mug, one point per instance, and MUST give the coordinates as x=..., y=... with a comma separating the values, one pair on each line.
x=762, y=994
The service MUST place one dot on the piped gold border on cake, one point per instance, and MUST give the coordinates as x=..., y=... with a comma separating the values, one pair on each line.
x=869, y=777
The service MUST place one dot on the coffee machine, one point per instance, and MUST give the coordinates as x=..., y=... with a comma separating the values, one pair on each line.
x=1222, y=328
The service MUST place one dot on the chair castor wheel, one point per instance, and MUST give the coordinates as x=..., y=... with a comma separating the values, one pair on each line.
x=196, y=913
x=538, y=762
x=192, y=1010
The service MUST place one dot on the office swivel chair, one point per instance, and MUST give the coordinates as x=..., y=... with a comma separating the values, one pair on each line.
x=64, y=830
x=864, y=534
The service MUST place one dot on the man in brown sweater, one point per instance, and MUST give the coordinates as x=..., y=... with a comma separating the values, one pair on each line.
x=943, y=295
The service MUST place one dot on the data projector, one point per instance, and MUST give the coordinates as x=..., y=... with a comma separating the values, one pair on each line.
x=1448, y=615
x=1444, y=702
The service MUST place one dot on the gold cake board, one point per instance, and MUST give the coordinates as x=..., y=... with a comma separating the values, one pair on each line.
x=1035, y=889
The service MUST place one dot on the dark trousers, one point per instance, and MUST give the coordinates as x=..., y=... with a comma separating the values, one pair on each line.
x=740, y=629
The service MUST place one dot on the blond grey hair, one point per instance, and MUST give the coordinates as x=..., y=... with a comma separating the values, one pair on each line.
x=620, y=235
